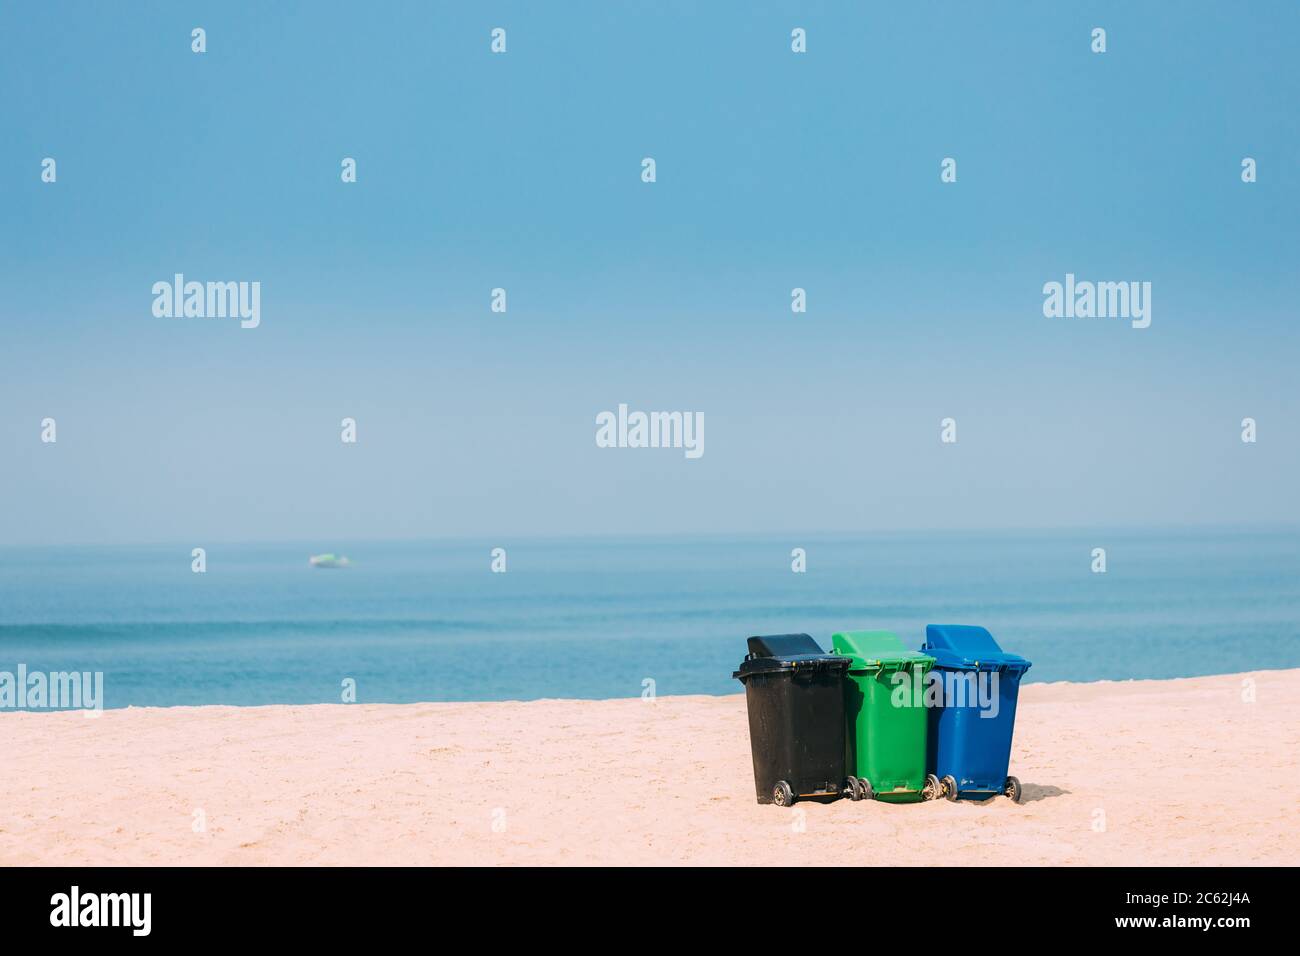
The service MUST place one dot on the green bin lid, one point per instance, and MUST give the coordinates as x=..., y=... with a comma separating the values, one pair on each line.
x=873, y=649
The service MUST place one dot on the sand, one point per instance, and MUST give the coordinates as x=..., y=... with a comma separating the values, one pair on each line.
x=1144, y=772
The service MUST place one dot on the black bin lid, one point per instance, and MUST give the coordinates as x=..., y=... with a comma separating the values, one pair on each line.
x=786, y=652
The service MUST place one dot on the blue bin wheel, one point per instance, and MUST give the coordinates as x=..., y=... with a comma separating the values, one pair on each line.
x=850, y=788
x=949, y=784
x=783, y=794
x=864, y=789
x=932, y=787
x=1012, y=789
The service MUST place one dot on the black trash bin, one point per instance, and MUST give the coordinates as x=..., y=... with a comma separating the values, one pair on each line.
x=795, y=694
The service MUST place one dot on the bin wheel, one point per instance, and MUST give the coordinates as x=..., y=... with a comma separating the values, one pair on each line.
x=782, y=794
x=1012, y=789
x=864, y=789
x=851, y=788
x=932, y=787
x=949, y=787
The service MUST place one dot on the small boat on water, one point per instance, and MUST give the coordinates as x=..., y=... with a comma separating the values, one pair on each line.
x=328, y=561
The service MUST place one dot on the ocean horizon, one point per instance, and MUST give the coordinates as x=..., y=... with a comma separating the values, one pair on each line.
x=620, y=616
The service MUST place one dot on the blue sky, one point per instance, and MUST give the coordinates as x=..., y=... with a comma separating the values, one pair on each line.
x=522, y=170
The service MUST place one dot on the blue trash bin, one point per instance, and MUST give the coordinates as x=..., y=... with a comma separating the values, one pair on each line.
x=970, y=738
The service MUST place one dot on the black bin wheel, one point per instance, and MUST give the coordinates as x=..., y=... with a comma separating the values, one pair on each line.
x=782, y=794
x=949, y=787
x=932, y=787
x=1013, y=790
x=850, y=788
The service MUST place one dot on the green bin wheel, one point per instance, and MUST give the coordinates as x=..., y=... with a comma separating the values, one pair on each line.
x=932, y=787
x=864, y=789
x=1012, y=789
x=782, y=794
x=950, y=787
x=850, y=788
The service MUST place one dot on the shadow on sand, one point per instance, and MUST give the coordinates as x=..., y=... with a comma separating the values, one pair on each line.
x=1037, y=791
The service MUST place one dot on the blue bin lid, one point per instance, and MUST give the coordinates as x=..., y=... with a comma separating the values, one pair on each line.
x=968, y=647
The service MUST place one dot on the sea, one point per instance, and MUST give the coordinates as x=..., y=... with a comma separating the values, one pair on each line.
x=605, y=617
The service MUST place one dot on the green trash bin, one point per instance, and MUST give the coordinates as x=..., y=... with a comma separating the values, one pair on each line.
x=886, y=742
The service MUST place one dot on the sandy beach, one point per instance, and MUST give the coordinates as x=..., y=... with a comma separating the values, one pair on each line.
x=1145, y=772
